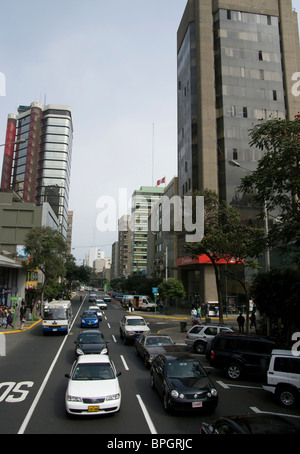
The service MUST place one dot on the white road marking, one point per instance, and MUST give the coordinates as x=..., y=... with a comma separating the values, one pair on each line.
x=45, y=381
x=124, y=362
x=228, y=386
x=256, y=410
x=146, y=414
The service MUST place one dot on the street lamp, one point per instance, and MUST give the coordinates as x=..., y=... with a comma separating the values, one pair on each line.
x=17, y=142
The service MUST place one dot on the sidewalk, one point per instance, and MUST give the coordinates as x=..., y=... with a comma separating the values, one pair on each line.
x=16, y=327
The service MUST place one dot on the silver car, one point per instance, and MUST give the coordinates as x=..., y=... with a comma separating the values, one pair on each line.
x=198, y=336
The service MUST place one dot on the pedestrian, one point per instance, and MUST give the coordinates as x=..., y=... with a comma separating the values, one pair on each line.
x=253, y=320
x=23, y=319
x=241, y=322
x=199, y=312
x=10, y=319
x=4, y=322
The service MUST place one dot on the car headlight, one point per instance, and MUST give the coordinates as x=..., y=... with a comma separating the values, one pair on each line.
x=113, y=397
x=176, y=395
x=213, y=393
x=79, y=351
x=104, y=351
x=73, y=398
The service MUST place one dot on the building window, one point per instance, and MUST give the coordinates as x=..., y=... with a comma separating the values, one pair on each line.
x=245, y=112
x=260, y=55
x=274, y=95
x=235, y=154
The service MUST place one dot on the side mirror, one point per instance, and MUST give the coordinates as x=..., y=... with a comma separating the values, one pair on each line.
x=67, y=375
x=118, y=374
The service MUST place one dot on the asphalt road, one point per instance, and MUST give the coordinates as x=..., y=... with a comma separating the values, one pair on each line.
x=33, y=385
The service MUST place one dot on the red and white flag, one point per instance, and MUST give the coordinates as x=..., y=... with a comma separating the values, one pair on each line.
x=163, y=180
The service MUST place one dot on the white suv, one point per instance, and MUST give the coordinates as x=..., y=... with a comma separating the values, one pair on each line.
x=132, y=326
x=283, y=377
x=198, y=336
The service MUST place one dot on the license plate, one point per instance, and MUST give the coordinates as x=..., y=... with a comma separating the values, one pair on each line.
x=92, y=408
x=196, y=404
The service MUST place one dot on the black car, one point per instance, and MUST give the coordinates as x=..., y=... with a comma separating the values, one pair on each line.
x=250, y=424
x=238, y=354
x=182, y=383
x=90, y=342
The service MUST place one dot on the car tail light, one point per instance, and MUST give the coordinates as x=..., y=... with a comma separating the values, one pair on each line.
x=212, y=355
x=187, y=336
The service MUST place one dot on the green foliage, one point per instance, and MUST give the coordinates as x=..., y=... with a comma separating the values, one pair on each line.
x=277, y=294
x=171, y=289
x=47, y=250
x=276, y=181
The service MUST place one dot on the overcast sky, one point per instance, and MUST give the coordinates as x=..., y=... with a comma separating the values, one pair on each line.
x=114, y=64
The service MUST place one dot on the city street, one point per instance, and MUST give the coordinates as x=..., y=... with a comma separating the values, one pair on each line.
x=33, y=385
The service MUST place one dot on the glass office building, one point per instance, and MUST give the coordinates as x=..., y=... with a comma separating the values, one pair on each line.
x=38, y=169
x=235, y=67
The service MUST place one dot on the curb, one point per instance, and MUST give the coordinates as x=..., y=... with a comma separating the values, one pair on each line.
x=2, y=331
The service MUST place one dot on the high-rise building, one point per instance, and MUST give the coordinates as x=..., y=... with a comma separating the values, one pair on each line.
x=124, y=246
x=236, y=62
x=38, y=169
x=143, y=200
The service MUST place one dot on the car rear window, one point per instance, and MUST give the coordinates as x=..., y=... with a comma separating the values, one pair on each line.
x=290, y=365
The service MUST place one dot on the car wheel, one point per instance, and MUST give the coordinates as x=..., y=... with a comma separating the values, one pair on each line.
x=121, y=334
x=234, y=371
x=286, y=396
x=199, y=347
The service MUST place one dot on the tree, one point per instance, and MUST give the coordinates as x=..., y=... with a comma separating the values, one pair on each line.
x=276, y=181
x=277, y=294
x=226, y=237
x=171, y=289
x=47, y=251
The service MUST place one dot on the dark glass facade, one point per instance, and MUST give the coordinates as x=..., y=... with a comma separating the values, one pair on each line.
x=249, y=87
x=42, y=165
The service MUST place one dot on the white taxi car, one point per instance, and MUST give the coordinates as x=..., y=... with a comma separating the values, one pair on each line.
x=93, y=387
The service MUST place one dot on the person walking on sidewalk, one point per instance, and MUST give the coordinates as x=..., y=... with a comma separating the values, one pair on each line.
x=241, y=322
x=10, y=318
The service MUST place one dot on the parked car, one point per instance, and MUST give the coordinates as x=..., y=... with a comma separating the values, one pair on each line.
x=90, y=342
x=92, y=297
x=93, y=386
x=97, y=311
x=182, y=383
x=198, y=336
x=101, y=304
x=283, y=377
x=250, y=424
x=106, y=298
x=132, y=326
x=149, y=345
x=238, y=354
x=89, y=319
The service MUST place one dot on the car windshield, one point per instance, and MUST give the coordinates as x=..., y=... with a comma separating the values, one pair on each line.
x=158, y=341
x=180, y=369
x=135, y=321
x=91, y=338
x=93, y=371
x=89, y=315
x=55, y=314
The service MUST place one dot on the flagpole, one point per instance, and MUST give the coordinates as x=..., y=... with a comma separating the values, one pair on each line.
x=152, y=154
